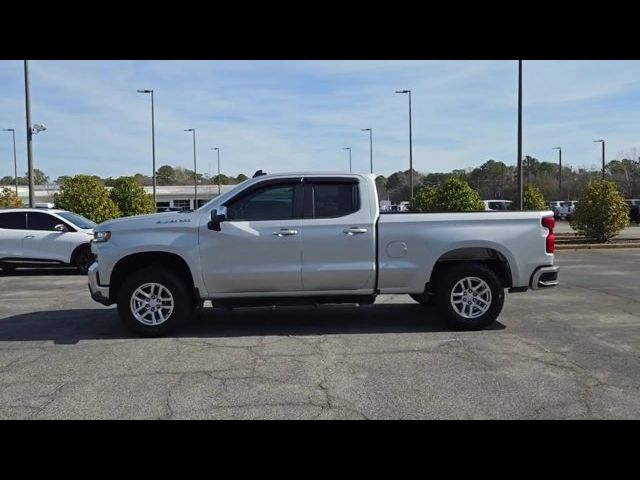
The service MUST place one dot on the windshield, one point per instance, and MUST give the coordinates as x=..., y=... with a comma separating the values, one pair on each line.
x=78, y=220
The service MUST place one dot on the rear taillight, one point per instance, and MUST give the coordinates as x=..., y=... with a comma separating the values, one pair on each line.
x=550, y=223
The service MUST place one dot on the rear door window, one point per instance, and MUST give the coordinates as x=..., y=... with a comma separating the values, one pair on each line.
x=13, y=220
x=42, y=221
x=331, y=200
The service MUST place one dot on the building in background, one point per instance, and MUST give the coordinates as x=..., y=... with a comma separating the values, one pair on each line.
x=169, y=196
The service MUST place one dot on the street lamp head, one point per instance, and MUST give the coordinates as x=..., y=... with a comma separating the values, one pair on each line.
x=366, y=129
x=598, y=141
x=145, y=91
x=215, y=148
x=403, y=91
x=556, y=148
x=347, y=148
x=188, y=130
x=8, y=129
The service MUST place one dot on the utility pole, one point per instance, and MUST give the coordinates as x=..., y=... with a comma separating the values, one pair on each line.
x=29, y=133
x=520, y=186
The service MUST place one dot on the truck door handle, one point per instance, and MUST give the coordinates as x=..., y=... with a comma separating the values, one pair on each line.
x=285, y=232
x=30, y=236
x=354, y=230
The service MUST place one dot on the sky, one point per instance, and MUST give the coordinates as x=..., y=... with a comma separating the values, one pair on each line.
x=299, y=115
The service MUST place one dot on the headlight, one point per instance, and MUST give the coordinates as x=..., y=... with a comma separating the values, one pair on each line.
x=101, y=236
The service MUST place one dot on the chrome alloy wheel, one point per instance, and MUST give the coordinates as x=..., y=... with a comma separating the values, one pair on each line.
x=471, y=297
x=151, y=304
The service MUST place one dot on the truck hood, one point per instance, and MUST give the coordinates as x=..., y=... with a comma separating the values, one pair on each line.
x=153, y=220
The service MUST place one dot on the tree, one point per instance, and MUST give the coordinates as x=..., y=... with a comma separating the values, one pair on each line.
x=130, y=197
x=164, y=175
x=424, y=200
x=601, y=212
x=143, y=180
x=241, y=178
x=224, y=180
x=61, y=179
x=455, y=195
x=8, y=198
x=533, y=199
x=84, y=195
x=39, y=178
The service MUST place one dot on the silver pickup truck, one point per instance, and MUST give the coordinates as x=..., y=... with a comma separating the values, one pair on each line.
x=311, y=238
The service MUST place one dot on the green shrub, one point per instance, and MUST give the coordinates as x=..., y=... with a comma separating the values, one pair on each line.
x=84, y=195
x=8, y=198
x=424, y=200
x=533, y=199
x=130, y=197
x=601, y=212
x=454, y=195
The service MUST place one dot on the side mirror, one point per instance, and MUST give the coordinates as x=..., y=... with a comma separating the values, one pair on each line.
x=61, y=228
x=218, y=215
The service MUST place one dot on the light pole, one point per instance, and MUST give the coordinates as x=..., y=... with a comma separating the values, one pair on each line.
x=195, y=171
x=216, y=148
x=370, y=146
x=15, y=162
x=601, y=141
x=410, y=143
x=559, y=169
x=153, y=145
x=520, y=179
x=349, y=148
x=27, y=101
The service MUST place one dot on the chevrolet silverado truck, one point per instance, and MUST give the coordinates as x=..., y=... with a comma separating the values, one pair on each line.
x=315, y=238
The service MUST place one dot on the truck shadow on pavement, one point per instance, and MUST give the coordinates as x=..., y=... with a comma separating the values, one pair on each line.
x=68, y=327
x=42, y=272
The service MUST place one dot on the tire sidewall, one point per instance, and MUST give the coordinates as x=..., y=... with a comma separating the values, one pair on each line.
x=453, y=276
x=183, y=301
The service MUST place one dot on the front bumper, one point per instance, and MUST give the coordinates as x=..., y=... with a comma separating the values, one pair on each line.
x=99, y=293
x=544, y=277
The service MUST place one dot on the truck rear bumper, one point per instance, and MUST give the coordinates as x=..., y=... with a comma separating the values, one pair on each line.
x=544, y=277
x=99, y=293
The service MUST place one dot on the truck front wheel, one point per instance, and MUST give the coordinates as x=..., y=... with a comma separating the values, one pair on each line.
x=470, y=296
x=154, y=301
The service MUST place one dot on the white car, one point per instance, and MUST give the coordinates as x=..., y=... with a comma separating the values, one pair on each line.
x=497, y=205
x=567, y=208
x=36, y=237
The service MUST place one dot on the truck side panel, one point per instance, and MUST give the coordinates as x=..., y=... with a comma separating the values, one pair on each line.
x=409, y=245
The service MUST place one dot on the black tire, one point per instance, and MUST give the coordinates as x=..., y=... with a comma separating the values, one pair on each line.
x=183, y=301
x=449, y=281
x=83, y=258
x=7, y=270
x=424, y=299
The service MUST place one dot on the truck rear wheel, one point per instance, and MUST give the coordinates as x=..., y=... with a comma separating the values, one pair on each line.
x=154, y=301
x=470, y=296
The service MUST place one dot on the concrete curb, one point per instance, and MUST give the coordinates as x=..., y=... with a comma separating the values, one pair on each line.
x=596, y=246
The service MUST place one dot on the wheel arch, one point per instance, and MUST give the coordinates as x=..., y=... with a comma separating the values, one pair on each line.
x=136, y=261
x=491, y=257
x=77, y=250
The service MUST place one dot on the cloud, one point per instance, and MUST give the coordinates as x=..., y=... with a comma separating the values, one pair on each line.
x=295, y=115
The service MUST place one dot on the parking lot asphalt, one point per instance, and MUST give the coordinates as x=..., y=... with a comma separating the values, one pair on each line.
x=567, y=353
